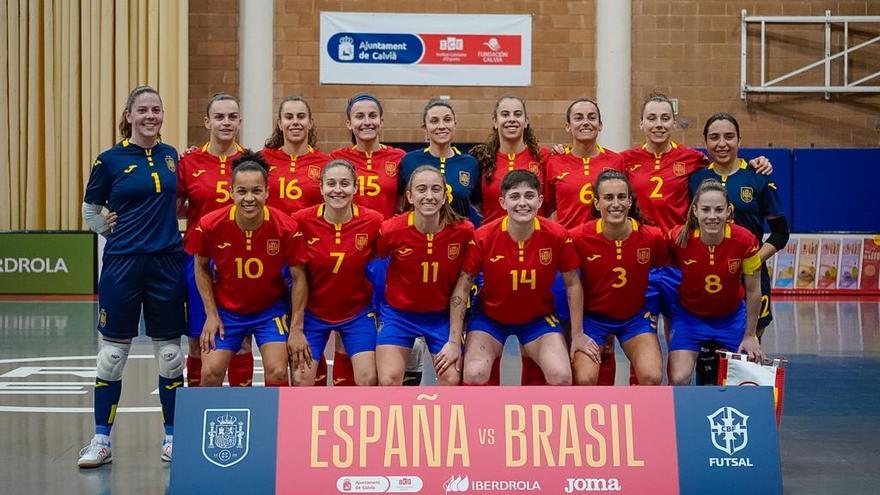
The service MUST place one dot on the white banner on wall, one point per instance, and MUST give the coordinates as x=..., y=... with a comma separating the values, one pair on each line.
x=426, y=49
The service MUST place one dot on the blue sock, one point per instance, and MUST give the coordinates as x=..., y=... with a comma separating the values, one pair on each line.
x=167, y=391
x=106, y=399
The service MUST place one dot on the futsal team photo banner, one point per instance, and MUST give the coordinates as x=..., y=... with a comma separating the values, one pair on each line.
x=426, y=49
x=442, y=440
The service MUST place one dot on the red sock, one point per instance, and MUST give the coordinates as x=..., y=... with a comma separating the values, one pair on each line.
x=193, y=371
x=321, y=374
x=343, y=371
x=495, y=374
x=241, y=370
x=633, y=379
x=607, y=370
x=531, y=373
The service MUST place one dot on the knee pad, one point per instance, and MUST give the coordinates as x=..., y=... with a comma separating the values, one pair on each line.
x=170, y=358
x=111, y=360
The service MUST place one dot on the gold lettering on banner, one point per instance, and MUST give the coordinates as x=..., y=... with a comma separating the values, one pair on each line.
x=569, y=440
x=339, y=428
x=366, y=439
x=512, y=433
x=317, y=433
x=601, y=459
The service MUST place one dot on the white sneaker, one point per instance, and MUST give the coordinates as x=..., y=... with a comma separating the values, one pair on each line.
x=95, y=454
x=166, y=450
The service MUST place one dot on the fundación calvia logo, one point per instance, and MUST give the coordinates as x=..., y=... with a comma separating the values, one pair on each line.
x=225, y=436
x=729, y=431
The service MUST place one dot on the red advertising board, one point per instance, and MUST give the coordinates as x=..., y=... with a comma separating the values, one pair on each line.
x=463, y=440
x=472, y=49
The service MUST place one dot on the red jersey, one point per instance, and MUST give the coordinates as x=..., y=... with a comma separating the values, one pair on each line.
x=377, y=176
x=294, y=181
x=518, y=276
x=711, y=276
x=205, y=181
x=661, y=182
x=615, y=273
x=247, y=264
x=336, y=256
x=504, y=164
x=424, y=268
x=569, y=185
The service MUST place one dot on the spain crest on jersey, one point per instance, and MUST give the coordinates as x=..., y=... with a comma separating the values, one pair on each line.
x=361, y=240
x=464, y=178
x=169, y=162
x=102, y=318
x=733, y=265
x=643, y=255
x=391, y=169
x=273, y=246
x=545, y=256
x=746, y=194
x=535, y=168
x=314, y=172
x=453, y=250
x=679, y=168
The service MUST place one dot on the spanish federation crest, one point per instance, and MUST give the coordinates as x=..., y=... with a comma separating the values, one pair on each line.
x=535, y=168
x=643, y=255
x=679, y=168
x=729, y=430
x=361, y=241
x=453, y=250
x=225, y=436
x=314, y=172
x=747, y=194
x=464, y=178
x=545, y=256
x=273, y=246
x=169, y=162
x=391, y=169
x=733, y=265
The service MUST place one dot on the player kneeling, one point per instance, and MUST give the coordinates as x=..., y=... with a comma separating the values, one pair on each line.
x=716, y=258
x=249, y=244
x=519, y=255
x=616, y=253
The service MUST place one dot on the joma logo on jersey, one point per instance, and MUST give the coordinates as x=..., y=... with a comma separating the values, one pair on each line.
x=453, y=250
x=643, y=255
x=679, y=168
x=130, y=168
x=313, y=240
x=198, y=172
x=361, y=241
x=545, y=256
x=562, y=175
x=747, y=194
x=273, y=246
x=404, y=251
x=689, y=262
x=593, y=257
x=223, y=246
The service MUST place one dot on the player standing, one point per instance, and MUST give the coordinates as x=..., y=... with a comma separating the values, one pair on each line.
x=426, y=248
x=143, y=264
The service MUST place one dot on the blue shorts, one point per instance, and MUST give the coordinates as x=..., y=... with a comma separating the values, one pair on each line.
x=358, y=333
x=662, y=293
x=377, y=270
x=598, y=327
x=398, y=327
x=561, y=306
x=131, y=281
x=691, y=332
x=195, y=308
x=267, y=326
x=525, y=332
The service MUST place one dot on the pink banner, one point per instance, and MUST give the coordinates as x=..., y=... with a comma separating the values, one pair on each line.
x=498, y=440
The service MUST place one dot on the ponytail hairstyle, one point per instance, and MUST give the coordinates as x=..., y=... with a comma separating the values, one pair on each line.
x=634, y=212
x=124, y=124
x=485, y=153
x=659, y=98
x=250, y=161
x=361, y=97
x=692, y=223
x=720, y=116
x=276, y=139
x=220, y=97
x=448, y=216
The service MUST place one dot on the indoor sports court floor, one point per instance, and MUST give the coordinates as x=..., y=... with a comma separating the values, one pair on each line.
x=830, y=440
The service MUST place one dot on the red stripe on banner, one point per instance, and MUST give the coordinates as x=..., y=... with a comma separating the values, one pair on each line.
x=470, y=440
x=779, y=390
x=472, y=49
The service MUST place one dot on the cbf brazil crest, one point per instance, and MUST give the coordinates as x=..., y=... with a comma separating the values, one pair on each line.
x=225, y=436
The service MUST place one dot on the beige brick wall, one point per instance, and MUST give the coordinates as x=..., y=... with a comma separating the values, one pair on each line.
x=686, y=48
